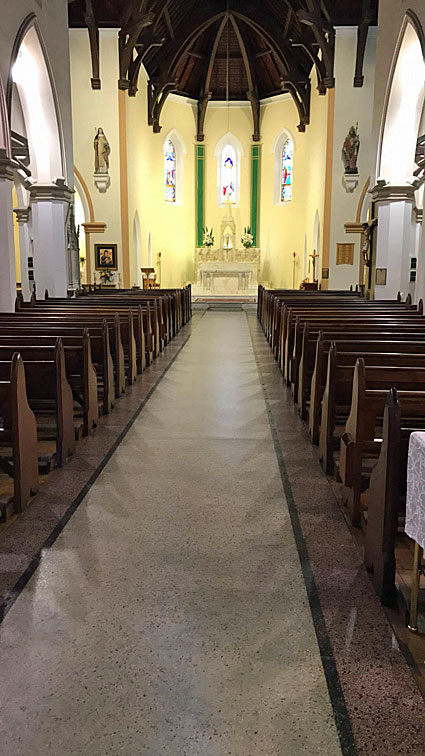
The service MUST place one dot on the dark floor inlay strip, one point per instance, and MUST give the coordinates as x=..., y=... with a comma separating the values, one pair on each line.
x=339, y=707
x=26, y=576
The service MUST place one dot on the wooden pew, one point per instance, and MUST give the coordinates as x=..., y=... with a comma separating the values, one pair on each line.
x=80, y=371
x=71, y=336
x=347, y=341
x=369, y=394
x=121, y=333
x=49, y=395
x=18, y=436
x=359, y=320
x=387, y=498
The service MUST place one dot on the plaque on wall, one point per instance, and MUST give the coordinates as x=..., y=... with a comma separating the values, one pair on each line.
x=413, y=263
x=325, y=272
x=345, y=254
x=381, y=277
x=412, y=276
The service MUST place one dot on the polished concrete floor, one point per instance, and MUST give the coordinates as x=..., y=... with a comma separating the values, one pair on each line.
x=173, y=615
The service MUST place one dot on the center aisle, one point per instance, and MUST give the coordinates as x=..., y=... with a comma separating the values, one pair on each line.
x=170, y=617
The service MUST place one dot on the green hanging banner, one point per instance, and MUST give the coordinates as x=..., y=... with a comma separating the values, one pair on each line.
x=200, y=193
x=255, y=189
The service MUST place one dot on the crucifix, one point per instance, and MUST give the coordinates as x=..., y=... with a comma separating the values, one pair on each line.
x=314, y=257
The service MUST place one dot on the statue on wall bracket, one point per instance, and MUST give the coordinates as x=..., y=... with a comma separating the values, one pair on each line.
x=350, y=154
x=102, y=150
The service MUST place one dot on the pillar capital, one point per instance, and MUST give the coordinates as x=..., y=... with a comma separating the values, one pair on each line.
x=94, y=228
x=383, y=192
x=57, y=191
x=22, y=214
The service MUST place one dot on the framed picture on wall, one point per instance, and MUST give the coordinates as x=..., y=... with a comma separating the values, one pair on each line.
x=381, y=277
x=106, y=256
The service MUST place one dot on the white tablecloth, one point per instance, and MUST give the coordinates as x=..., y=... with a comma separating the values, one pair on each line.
x=415, y=501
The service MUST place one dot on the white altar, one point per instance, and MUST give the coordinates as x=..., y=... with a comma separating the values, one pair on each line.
x=234, y=271
x=227, y=270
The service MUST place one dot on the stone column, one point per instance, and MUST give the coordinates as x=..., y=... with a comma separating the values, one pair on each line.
x=394, y=209
x=49, y=203
x=7, y=246
x=22, y=216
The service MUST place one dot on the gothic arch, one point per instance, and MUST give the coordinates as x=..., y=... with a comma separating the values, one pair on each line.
x=31, y=81
x=403, y=106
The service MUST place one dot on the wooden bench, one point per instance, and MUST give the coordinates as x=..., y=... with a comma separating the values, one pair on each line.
x=49, y=396
x=386, y=497
x=312, y=382
x=358, y=443
x=18, y=436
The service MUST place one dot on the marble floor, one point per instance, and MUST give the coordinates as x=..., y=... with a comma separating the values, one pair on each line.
x=205, y=597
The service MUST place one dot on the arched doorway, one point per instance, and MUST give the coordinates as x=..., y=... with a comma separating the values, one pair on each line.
x=37, y=136
x=7, y=247
x=393, y=193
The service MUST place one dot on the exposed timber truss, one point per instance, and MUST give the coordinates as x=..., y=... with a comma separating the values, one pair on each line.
x=215, y=49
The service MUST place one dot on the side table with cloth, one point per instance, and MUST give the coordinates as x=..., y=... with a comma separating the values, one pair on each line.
x=415, y=515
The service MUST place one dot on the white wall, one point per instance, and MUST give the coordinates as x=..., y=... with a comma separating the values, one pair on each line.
x=352, y=105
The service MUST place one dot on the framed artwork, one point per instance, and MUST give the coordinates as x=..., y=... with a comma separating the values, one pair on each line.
x=381, y=276
x=325, y=273
x=106, y=257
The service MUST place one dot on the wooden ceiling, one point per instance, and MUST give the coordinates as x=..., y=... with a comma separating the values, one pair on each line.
x=214, y=49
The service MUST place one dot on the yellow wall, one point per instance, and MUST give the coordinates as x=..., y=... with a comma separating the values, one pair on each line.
x=172, y=227
x=91, y=109
x=283, y=227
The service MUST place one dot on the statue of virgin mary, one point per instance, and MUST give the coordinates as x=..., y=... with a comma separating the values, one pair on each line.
x=101, y=152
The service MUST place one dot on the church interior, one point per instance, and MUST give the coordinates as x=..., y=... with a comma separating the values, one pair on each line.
x=212, y=377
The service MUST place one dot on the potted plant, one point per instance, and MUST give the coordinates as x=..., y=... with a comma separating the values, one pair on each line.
x=247, y=239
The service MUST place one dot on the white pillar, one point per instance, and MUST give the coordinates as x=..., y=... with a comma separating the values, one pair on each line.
x=23, y=216
x=49, y=204
x=394, y=237
x=420, y=270
x=7, y=245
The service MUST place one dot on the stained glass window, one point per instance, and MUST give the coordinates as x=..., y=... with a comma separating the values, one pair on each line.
x=228, y=174
x=286, y=174
x=170, y=171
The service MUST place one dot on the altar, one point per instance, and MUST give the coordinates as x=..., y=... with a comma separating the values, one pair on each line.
x=226, y=270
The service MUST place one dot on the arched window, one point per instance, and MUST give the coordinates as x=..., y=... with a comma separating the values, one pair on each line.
x=170, y=173
x=228, y=174
x=283, y=150
x=286, y=163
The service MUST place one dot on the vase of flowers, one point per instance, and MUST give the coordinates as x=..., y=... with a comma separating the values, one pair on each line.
x=208, y=240
x=106, y=277
x=247, y=239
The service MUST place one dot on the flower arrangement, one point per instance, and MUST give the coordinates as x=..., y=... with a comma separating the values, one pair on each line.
x=106, y=276
x=247, y=239
x=208, y=240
